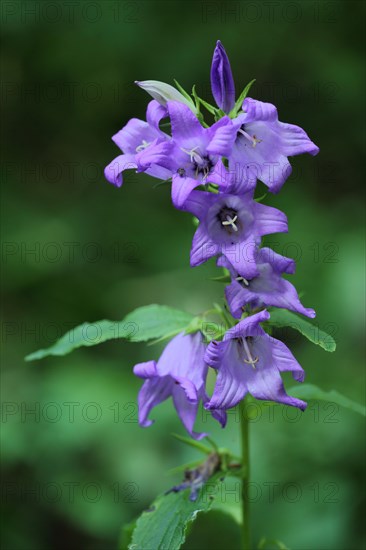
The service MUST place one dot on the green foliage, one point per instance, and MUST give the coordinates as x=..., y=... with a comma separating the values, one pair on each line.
x=182, y=90
x=309, y=392
x=165, y=523
x=142, y=324
x=210, y=108
x=239, y=102
x=285, y=318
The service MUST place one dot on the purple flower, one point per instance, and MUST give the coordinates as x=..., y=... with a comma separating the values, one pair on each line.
x=231, y=225
x=181, y=374
x=267, y=289
x=248, y=360
x=263, y=145
x=135, y=137
x=222, y=82
x=192, y=157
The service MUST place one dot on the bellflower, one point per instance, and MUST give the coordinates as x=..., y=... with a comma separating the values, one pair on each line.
x=263, y=144
x=222, y=82
x=231, y=225
x=135, y=137
x=181, y=374
x=248, y=360
x=193, y=156
x=266, y=289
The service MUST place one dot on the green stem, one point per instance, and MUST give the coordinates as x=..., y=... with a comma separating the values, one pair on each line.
x=244, y=431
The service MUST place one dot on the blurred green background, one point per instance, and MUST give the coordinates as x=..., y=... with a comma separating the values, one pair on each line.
x=75, y=464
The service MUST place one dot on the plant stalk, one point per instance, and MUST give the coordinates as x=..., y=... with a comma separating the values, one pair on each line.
x=244, y=432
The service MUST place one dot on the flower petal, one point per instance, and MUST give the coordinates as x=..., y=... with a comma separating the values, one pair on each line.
x=113, y=172
x=221, y=136
x=285, y=361
x=269, y=220
x=154, y=113
x=158, y=153
x=182, y=187
x=145, y=370
x=187, y=411
x=185, y=125
x=203, y=248
x=230, y=387
x=133, y=135
x=266, y=383
x=154, y=391
x=242, y=257
x=279, y=263
x=248, y=327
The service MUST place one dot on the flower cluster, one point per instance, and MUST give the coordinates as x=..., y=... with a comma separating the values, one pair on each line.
x=214, y=171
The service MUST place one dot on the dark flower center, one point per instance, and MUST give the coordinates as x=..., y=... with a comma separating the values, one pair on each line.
x=204, y=167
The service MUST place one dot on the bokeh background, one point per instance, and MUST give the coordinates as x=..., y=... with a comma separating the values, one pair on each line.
x=76, y=466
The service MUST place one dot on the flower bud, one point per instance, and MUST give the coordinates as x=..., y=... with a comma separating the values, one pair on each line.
x=222, y=82
x=164, y=92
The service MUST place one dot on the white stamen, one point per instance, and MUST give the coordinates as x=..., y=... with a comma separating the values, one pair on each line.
x=231, y=221
x=250, y=360
x=194, y=157
x=143, y=146
x=254, y=140
x=245, y=281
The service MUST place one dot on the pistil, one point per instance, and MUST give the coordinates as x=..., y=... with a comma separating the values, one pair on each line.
x=253, y=139
x=250, y=360
x=143, y=146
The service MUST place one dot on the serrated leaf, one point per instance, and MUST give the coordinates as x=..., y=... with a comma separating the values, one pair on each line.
x=126, y=535
x=309, y=392
x=285, y=318
x=165, y=525
x=142, y=324
x=239, y=101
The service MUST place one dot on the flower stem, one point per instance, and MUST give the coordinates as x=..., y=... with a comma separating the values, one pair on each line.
x=244, y=431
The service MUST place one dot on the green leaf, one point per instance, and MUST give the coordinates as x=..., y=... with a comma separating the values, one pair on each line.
x=221, y=279
x=142, y=324
x=239, y=101
x=210, y=108
x=165, y=524
x=285, y=318
x=309, y=392
x=182, y=90
x=126, y=535
x=196, y=98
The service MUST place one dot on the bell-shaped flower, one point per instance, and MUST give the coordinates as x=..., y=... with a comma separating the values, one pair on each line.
x=193, y=156
x=263, y=144
x=231, y=225
x=180, y=373
x=248, y=360
x=135, y=137
x=268, y=288
x=222, y=82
